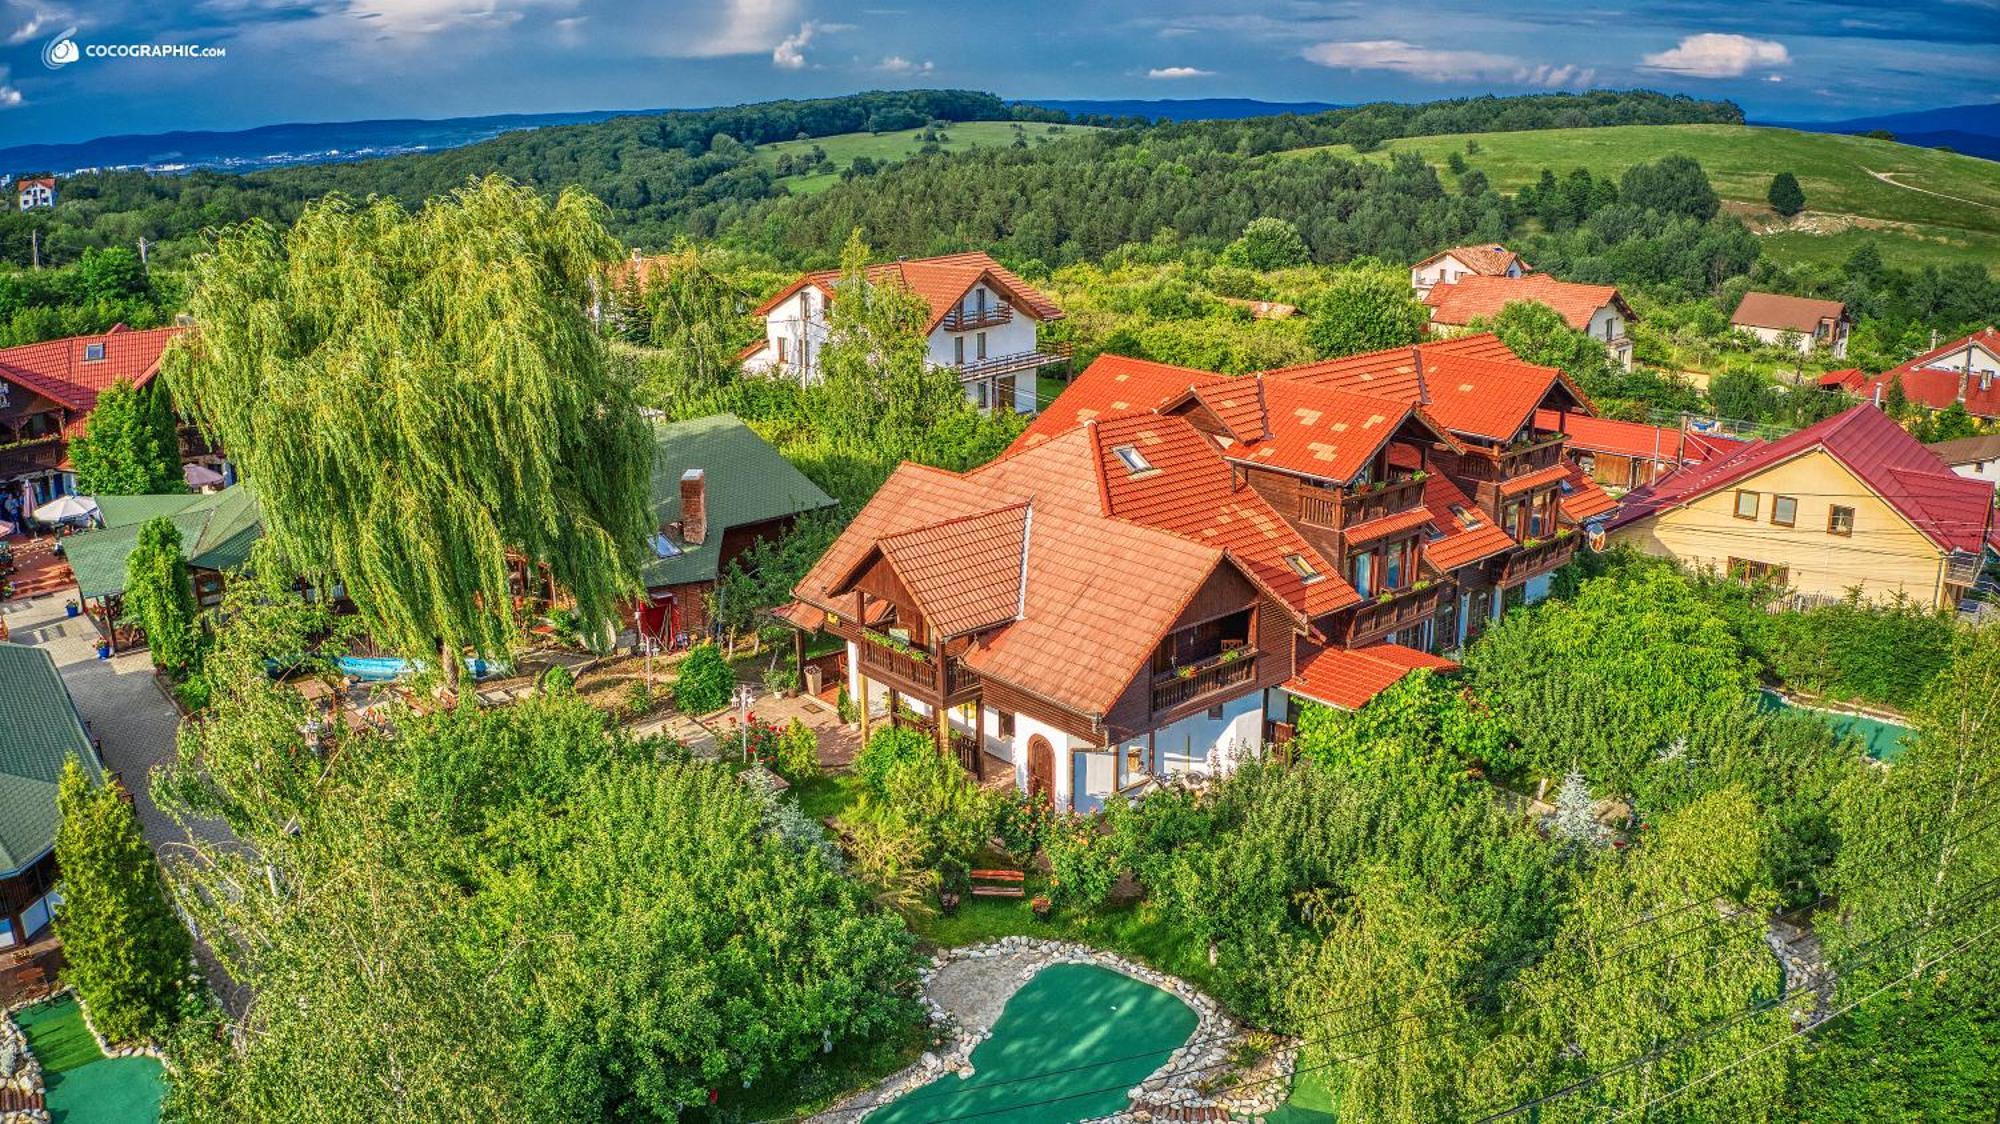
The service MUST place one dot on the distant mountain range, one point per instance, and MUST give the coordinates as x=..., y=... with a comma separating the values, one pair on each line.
x=1971, y=129
x=1180, y=109
x=322, y=142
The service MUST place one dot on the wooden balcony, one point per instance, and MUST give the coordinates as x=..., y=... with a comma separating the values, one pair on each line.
x=974, y=369
x=1545, y=555
x=1320, y=508
x=1391, y=498
x=1212, y=676
x=1536, y=455
x=904, y=669
x=1392, y=612
x=963, y=319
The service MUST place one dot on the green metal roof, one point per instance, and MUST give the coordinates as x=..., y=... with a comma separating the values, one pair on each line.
x=39, y=730
x=747, y=482
x=216, y=533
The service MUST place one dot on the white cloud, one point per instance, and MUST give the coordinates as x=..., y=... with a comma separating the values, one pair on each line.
x=10, y=94
x=1173, y=72
x=790, y=53
x=34, y=21
x=1432, y=64
x=1443, y=64
x=1716, y=55
x=429, y=17
x=897, y=64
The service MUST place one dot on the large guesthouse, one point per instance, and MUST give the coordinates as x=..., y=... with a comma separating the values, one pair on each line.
x=1168, y=560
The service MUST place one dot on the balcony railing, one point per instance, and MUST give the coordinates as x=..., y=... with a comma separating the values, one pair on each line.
x=1391, y=498
x=1398, y=609
x=1540, y=558
x=1961, y=568
x=878, y=653
x=964, y=745
x=963, y=319
x=1531, y=457
x=1042, y=356
x=1218, y=673
x=958, y=678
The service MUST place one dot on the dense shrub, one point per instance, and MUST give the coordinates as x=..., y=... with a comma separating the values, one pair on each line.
x=1871, y=652
x=703, y=681
x=1084, y=862
x=887, y=749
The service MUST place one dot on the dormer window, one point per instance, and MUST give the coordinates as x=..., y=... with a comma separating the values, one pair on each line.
x=93, y=353
x=1303, y=567
x=1135, y=461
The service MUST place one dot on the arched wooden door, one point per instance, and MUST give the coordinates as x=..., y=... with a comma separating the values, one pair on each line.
x=1041, y=769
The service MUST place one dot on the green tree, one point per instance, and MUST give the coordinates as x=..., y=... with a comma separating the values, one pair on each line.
x=1744, y=393
x=1269, y=243
x=1896, y=400
x=1786, y=196
x=126, y=952
x=130, y=445
x=697, y=324
x=1420, y=713
x=703, y=680
x=420, y=396
x=160, y=596
x=1366, y=310
x=1539, y=334
x=1674, y=185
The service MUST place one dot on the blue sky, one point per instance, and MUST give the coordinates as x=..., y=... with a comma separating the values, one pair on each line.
x=315, y=60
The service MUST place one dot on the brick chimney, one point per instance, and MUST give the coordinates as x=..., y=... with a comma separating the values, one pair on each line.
x=694, y=506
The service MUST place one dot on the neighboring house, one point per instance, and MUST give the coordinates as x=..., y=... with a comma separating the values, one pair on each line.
x=982, y=324
x=1596, y=310
x=718, y=490
x=1168, y=560
x=40, y=732
x=1460, y=262
x=47, y=391
x=1852, y=502
x=1963, y=371
x=35, y=192
x=1853, y=380
x=1814, y=325
x=1625, y=455
x=1976, y=457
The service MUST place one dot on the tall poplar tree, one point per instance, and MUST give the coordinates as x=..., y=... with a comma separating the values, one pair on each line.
x=129, y=446
x=159, y=593
x=418, y=396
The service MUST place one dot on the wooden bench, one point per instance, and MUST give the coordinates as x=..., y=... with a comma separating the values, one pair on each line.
x=997, y=883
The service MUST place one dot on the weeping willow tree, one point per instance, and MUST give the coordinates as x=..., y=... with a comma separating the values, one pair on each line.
x=418, y=396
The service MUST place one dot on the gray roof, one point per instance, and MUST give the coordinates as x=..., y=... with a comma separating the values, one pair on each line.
x=748, y=482
x=39, y=730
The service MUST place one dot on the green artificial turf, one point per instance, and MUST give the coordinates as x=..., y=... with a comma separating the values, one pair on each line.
x=57, y=1035
x=1070, y=1044
x=111, y=1091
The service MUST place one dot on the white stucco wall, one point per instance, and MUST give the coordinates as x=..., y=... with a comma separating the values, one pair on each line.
x=1981, y=361
x=1979, y=470
x=799, y=320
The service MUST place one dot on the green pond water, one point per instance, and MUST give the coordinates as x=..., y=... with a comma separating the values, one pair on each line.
x=1882, y=740
x=84, y=1086
x=1104, y=1030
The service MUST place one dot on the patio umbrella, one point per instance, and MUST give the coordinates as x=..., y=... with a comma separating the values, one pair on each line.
x=200, y=476
x=7, y=528
x=66, y=507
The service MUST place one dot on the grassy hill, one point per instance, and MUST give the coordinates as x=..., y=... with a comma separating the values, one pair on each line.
x=1920, y=206
x=842, y=148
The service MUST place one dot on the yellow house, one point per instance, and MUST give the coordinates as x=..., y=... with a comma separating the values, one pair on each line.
x=1852, y=502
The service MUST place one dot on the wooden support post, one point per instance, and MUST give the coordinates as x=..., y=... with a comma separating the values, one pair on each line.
x=979, y=737
x=861, y=704
x=799, y=655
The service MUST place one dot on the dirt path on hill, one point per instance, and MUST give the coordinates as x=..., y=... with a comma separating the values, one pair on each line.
x=1889, y=178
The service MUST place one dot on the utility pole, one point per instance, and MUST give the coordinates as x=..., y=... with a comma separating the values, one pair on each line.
x=35, y=240
x=143, y=263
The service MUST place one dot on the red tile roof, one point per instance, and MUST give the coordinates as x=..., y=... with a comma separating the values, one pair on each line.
x=1458, y=303
x=1383, y=526
x=1666, y=444
x=941, y=283
x=1794, y=314
x=1582, y=499
x=1349, y=677
x=1112, y=384
x=1953, y=511
x=1937, y=387
x=965, y=573
x=58, y=370
x=1462, y=544
x=1490, y=259
x=1529, y=481
x=1475, y=386
x=1848, y=378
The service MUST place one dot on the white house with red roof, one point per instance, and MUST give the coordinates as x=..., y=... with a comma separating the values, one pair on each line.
x=1459, y=262
x=1850, y=503
x=982, y=323
x=1963, y=371
x=35, y=192
x=47, y=390
x=1595, y=310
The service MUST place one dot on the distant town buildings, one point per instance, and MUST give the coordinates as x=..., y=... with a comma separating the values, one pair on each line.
x=1596, y=310
x=1459, y=262
x=35, y=192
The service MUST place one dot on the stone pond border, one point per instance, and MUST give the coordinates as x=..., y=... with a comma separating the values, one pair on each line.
x=1196, y=1076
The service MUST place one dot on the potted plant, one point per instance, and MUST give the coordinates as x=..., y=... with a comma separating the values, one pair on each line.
x=1384, y=597
x=1041, y=906
x=70, y=608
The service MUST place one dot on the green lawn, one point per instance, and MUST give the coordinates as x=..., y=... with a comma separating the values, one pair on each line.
x=1845, y=203
x=842, y=148
x=1311, y=1101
